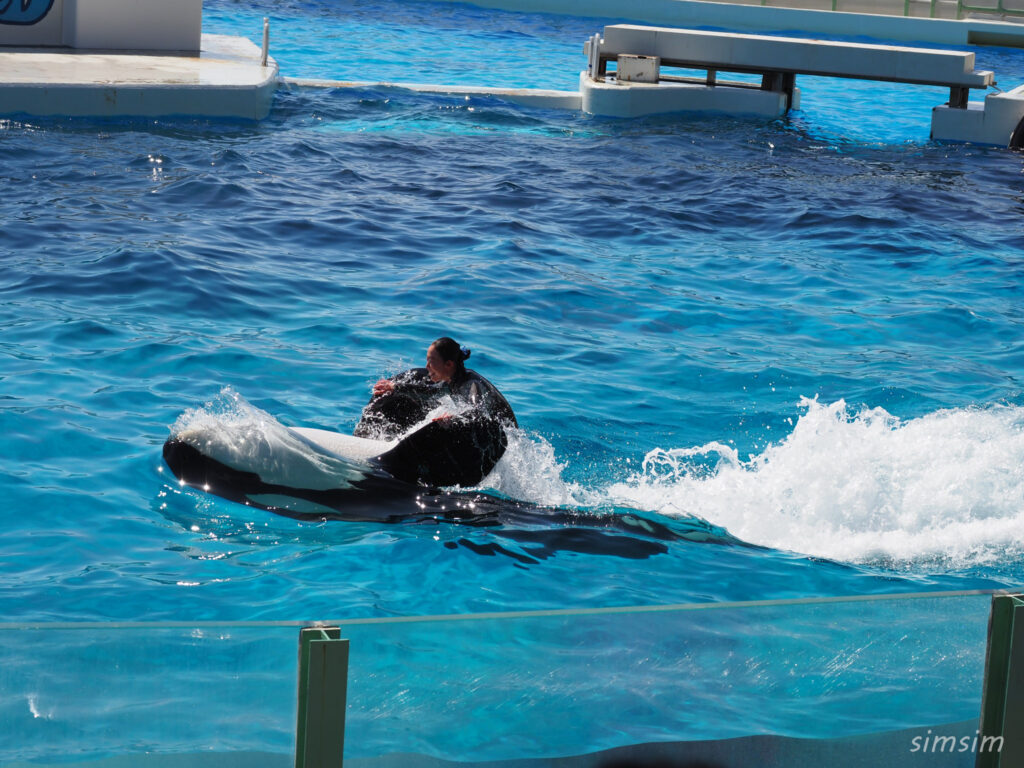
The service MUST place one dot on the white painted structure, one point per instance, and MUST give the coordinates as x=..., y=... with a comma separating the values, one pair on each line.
x=998, y=121
x=760, y=53
x=139, y=58
x=609, y=97
x=778, y=60
x=224, y=79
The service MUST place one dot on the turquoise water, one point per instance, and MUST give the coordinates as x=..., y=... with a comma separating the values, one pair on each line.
x=797, y=344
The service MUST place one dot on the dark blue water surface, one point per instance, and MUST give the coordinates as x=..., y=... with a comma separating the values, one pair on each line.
x=797, y=344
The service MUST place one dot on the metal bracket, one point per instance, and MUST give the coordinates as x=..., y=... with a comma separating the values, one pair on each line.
x=323, y=688
x=1001, y=737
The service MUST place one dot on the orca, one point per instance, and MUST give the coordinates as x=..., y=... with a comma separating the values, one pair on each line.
x=317, y=475
x=529, y=533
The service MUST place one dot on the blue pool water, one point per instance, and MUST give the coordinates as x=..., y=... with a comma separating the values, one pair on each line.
x=798, y=344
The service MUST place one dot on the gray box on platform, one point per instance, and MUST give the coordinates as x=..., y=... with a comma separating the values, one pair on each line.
x=111, y=25
x=637, y=69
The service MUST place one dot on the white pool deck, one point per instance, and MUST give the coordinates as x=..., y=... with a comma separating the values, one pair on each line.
x=224, y=80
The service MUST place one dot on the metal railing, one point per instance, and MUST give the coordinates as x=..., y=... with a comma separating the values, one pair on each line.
x=948, y=9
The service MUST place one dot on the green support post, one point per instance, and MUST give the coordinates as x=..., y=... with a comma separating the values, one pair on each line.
x=1001, y=738
x=323, y=684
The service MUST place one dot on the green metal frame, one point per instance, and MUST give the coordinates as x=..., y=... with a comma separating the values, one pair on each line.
x=323, y=689
x=1000, y=9
x=1002, y=702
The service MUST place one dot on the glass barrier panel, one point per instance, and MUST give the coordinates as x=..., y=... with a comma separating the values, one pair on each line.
x=880, y=678
x=166, y=696
x=573, y=684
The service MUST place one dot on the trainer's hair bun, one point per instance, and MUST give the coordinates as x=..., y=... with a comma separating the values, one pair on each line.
x=466, y=352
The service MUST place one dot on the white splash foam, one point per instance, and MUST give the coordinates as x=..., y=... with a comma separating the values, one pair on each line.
x=859, y=486
x=37, y=711
x=529, y=471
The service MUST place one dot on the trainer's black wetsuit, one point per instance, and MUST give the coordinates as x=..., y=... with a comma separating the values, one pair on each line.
x=459, y=450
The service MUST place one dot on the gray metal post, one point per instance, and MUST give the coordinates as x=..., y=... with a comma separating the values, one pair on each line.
x=323, y=688
x=265, y=51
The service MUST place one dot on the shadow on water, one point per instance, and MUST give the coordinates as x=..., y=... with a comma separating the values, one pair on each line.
x=533, y=532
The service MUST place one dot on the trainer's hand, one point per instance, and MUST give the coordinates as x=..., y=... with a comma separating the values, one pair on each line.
x=442, y=417
x=383, y=387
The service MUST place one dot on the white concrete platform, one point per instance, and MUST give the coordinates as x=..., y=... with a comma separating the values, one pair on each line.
x=996, y=121
x=226, y=79
x=777, y=60
x=620, y=99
